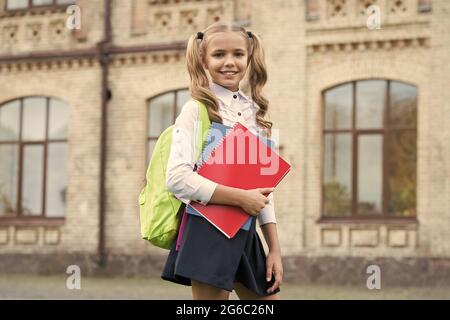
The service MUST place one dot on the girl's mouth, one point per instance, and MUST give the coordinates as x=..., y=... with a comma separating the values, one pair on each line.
x=229, y=73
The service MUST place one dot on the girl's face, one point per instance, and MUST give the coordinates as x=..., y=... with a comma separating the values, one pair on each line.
x=226, y=59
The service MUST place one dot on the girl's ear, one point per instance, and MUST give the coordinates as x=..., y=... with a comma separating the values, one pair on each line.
x=204, y=64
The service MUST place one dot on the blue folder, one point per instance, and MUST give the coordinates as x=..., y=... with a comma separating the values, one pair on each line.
x=211, y=142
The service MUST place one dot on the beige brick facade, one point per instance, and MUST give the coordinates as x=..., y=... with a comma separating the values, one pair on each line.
x=310, y=46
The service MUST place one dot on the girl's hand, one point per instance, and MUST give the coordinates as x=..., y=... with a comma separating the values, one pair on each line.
x=273, y=265
x=254, y=200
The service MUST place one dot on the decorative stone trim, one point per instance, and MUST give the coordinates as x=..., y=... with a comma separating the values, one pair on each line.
x=398, y=237
x=177, y=19
x=26, y=235
x=52, y=236
x=4, y=235
x=331, y=237
x=332, y=10
x=27, y=66
x=368, y=45
x=364, y=237
x=145, y=58
x=51, y=29
x=118, y=60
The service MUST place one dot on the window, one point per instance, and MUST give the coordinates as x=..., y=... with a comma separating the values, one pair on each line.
x=370, y=149
x=162, y=112
x=33, y=157
x=25, y=4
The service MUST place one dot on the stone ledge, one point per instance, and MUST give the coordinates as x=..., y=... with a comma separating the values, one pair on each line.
x=368, y=45
x=352, y=270
x=299, y=270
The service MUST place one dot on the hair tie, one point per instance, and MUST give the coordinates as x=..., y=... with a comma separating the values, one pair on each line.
x=250, y=35
x=200, y=35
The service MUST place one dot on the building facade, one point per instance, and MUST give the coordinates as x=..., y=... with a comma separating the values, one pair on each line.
x=362, y=111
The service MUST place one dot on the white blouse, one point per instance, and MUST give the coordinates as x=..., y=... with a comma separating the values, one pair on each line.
x=187, y=184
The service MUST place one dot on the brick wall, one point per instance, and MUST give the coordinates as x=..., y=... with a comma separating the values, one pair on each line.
x=78, y=86
x=304, y=57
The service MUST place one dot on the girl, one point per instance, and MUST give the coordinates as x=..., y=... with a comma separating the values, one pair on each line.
x=208, y=261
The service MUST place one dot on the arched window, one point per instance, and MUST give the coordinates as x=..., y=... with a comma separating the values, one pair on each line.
x=162, y=112
x=33, y=157
x=370, y=149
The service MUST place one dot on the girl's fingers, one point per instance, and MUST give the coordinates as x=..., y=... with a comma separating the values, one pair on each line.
x=276, y=284
x=266, y=190
x=278, y=277
x=269, y=272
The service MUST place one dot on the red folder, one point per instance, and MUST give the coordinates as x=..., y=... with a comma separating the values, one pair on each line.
x=244, y=161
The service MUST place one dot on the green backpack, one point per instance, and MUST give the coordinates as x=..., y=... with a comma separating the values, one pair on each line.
x=159, y=208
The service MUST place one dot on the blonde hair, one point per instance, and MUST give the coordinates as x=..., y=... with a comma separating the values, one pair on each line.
x=257, y=74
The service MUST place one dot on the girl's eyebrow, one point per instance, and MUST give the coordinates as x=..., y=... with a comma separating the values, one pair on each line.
x=223, y=50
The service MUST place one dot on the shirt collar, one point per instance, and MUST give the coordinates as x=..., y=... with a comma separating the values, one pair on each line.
x=225, y=95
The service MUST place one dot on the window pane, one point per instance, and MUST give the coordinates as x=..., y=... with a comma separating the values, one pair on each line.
x=370, y=101
x=33, y=156
x=338, y=107
x=402, y=173
x=10, y=121
x=151, y=146
x=370, y=174
x=337, y=174
x=34, y=118
x=41, y=2
x=182, y=98
x=55, y=205
x=16, y=4
x=9, y=155
x=58, y=120
x=161, y=113
x=65, y=1
x=403, y=105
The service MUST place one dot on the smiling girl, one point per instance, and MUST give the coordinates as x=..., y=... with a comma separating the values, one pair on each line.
x=208, y=261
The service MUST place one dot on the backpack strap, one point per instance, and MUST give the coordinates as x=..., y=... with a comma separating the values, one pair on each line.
x=205, y=125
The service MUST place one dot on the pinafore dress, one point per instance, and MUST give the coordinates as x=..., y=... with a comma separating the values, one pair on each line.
x=206, y=255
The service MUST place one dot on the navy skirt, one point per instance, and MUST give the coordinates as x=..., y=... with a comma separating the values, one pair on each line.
x=207, y=256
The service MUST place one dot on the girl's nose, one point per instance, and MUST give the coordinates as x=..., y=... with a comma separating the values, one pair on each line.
x=229, y=61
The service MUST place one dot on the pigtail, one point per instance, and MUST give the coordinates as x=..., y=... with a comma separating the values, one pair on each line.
x=257, y=79
x=199, y=85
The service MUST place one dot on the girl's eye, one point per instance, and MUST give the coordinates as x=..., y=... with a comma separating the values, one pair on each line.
x=221, y=54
